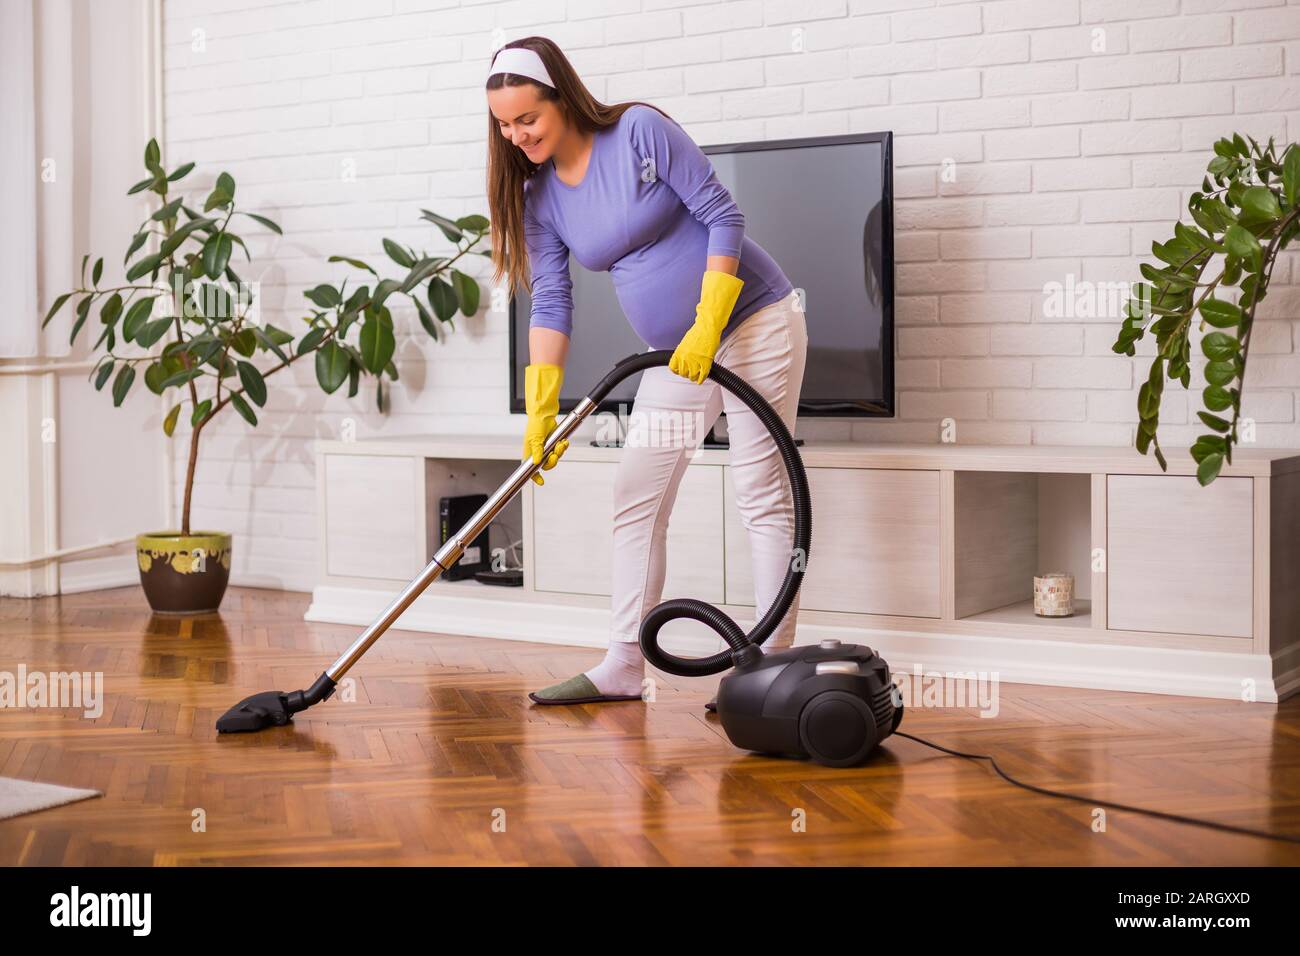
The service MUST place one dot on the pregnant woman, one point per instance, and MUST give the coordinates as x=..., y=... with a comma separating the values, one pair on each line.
x=625, y=190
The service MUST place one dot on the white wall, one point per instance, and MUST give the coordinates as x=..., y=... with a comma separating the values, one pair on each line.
x=1067, y=162
x=74, y=470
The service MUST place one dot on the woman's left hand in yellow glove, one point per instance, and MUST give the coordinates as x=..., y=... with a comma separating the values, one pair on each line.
x=693, y=356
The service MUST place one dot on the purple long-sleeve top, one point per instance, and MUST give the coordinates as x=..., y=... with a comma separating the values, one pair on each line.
x=649, y=211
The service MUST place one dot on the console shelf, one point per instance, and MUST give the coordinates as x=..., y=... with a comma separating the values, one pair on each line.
x=925, y=552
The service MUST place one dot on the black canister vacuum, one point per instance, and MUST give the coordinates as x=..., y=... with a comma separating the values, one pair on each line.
x=833, y=702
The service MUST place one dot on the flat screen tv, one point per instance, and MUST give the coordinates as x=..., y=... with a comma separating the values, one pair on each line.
x=823, y=208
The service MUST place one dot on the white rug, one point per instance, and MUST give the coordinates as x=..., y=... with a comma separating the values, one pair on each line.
x=24, y=796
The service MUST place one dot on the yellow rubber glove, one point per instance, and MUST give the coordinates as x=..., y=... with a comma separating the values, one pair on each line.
x=693, y=356
x=542, y=401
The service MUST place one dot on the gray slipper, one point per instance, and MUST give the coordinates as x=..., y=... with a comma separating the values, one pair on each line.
x=576, y=690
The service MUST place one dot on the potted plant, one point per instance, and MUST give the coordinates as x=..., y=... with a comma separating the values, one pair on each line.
x=197, y=337
x=1245, y=213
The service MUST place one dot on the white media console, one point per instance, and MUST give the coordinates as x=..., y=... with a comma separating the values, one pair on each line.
x=926, y=553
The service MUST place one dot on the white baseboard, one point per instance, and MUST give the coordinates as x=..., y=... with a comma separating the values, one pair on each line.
x=73, y=581
x=1148, y=670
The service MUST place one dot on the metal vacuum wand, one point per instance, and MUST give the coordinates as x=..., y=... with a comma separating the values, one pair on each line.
x=451, y=552
x=275, y=708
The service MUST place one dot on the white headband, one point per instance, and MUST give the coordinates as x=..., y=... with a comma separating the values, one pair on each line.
x=523, y=62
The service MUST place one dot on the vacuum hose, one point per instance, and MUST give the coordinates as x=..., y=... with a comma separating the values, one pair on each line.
x=740, y=643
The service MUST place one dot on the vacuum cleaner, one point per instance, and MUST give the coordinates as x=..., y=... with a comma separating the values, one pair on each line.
x=832, y=703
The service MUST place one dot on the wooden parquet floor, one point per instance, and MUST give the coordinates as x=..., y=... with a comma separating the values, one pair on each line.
x=441, y=759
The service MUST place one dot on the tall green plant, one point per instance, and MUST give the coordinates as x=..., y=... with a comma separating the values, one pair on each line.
x=214, y=354
x=1245, y=212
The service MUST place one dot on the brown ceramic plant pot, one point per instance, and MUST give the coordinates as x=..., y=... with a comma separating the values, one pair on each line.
x=183, y=574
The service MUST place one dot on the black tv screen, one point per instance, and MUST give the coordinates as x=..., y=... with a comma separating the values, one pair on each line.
x=823, y=208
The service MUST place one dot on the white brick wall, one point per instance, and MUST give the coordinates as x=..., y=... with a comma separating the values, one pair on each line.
x=1035, y=139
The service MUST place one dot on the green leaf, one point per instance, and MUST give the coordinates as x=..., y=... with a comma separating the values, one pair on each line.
x=473, y=223
x=169, y=423
x=83, y=310
x=426, y=319
x=181, y=233
x=421, y=271
x=311, y=340
x=152, y=332
x=1259, y=202
x=216, y=253
x=168, y=210
x=152, y=156
x=1148, y=401
x=1214, y=421
x=326, y=296
x=1219, y=313
x=377, y=343
x=1156, y=376
x=398, y=254
x=200, y=411
x=181, y=377
x=443, y=298
x=244, y=342
x=269, y=342
x=1208, y=469
x=105, y=371
x=356, y=263
x=154, y=376
x=112, y=308
x=241, y=406
x=1220, y=373
x=1216, y=398
x=1218, y=346
x=264, y=221
x=467, y=290
x=138, y=240
x=383, y=290
x=58, y=304
x=181, y=172
x=144, y=266
x=1291, y=174
x=96, y=272
x=253, y=383
x=332, y=364
x=217, y=199
x=1241, y=242
x=449, y=228
x=1231, y=270
x=122, y=384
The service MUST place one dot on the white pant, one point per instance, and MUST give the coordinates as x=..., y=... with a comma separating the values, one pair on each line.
x=670, y=417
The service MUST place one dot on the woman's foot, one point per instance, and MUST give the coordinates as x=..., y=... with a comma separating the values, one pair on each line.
x=576, y=690
x=617, y=677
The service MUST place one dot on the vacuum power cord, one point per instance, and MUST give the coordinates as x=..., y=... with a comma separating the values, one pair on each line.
x=1159, y=814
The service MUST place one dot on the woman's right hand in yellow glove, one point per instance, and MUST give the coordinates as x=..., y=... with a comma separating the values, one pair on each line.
x=542, y=401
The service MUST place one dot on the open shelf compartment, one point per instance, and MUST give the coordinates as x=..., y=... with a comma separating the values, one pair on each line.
x=1010, y=526
x=450, y=477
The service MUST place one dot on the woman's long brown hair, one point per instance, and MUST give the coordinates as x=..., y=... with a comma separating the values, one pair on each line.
x=508, y=167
